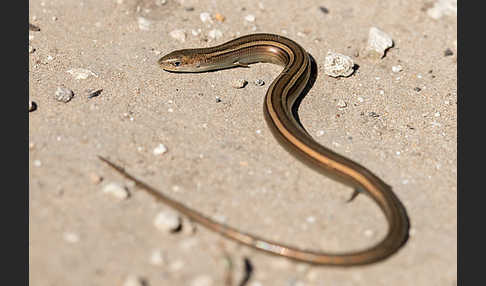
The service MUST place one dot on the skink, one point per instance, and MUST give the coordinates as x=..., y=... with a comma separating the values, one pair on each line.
x=279, y=101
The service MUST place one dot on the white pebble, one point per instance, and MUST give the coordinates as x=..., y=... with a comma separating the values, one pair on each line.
x=203, y=280
x=300, y=34
x=397, y=68
x=37, y=163
x=196, y=32
x=215, y=34
x=437, y=114
x=443, y=8
x=63, y=94
x=368, y=233
x=71, y=237
x=311, y=219
x=205, y=17
x=250, y=18
x=336, y=65
x=159, y=150
x=167, y=221
x=412, y=231
x=179, y=35
x=134, y=280
x=239, y=83
x=80, y=73
x=320, y=133
x=116, y=190
x=379, y=41
x=157, y=257
x=259, y=82
x=143, y=23
x=360, y=99
x=341, y=103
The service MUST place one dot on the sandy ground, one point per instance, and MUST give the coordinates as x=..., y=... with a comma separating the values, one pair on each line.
x=221, y=158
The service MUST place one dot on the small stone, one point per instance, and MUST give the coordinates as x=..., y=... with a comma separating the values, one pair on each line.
x=417, y=89
x=160, y=149
x=94, y=93
x=189, y=227
x=239, y=83
x=379, y=41
x=218, y=17
x=80, y=73
x=341, y=103
x=218, y=99
x=215, y=34
x=203, y=280
x=259, y=82
x=443, y=8
x=179, y=35
x=116, y=190
x=369, y=233
x=311, y=219
x=37, y=163
x=31, y=49
x=71, y=237
x=324, y=10
x=32, y=106
x=63, y=94
x=33, y=28
x=397, y=68
x=205, y=17
x=168, y=221
x=134, y=280
x=337, y=65
x=143, y=23
x=95, y=178
x=160, y=2
x=448, y=52
x=250, y=18
x=157, y=257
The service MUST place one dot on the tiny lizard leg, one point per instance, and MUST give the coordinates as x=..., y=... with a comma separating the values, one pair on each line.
x=355, y=193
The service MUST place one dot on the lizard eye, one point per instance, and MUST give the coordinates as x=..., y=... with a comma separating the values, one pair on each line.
x=177, y=63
